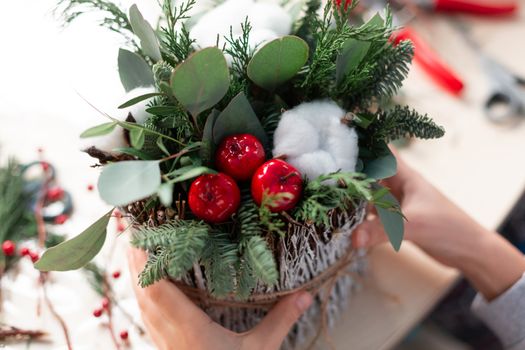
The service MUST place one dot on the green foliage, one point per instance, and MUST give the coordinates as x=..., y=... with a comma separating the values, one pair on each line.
x=219, y=259
x=277, y=62
x=176, y=46
x=113, y=17
x=126, y=182
x=183, y=241
x=261, y=260
x=271, y=221
x=333, y=191
x=143, y=30
x=401, y=122
x=78, y=251
x=155, y=269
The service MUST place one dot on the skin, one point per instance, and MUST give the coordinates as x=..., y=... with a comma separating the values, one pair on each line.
x=174, y=322
x=448, y=234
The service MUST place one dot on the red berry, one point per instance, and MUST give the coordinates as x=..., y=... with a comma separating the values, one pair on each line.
x=90, y=187
x=117, y=213
x=24, y=251
x=45, y=166
x=239, y=156
x=347, y=3
x=116, y=274
x=34, y=256
x=97, y=312
x=214, y=197
x=277, y=177
x=121, y=227
x=61, y=219
x=55, y=194
x=9, y=248
x=40, y=150
x=105, y=303
x=124, y=335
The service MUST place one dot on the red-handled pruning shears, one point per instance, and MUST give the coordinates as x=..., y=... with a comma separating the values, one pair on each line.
x=430, y=61
x=494, y=8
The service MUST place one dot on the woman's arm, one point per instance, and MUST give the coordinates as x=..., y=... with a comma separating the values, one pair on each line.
x=493, y=266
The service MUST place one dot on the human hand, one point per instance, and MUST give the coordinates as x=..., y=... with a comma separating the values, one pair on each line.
x=448, y=234
x=173, y=321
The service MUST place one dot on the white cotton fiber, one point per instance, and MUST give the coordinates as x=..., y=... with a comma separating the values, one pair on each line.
x=314, y=139
x=269, y=21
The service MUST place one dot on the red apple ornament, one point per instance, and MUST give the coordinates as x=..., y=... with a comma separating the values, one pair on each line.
x=277, y=177
x=239, y=156
x=214, y=197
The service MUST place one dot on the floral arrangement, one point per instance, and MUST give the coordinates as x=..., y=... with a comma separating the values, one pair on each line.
x=242, y=123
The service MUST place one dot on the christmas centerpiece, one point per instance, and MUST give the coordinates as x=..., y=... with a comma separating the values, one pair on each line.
x=250, y=144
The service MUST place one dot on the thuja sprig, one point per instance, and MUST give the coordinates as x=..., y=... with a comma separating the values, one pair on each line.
x=177, y=45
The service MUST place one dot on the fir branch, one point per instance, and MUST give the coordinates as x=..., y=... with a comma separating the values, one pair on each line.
x=155, y=268
x=246, y=281
x=220, y=259
x=261, y=260
x=114, y=18
x=333, y=191
x=381, y=78
x=270, y=220
x=401, y=122
x=183, y=240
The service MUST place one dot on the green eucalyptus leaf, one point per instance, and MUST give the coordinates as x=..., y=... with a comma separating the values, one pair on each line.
x=381, y=168
x=143, y=30
x=208, y=146
x=352, y=53
x=278, y=61
x=125, y=182
x=201, y=81
x=99, y=130
x=238, y=118
x=191, y=172
x=392, y=220
x=133, y=70
x=134, y=152
x=138, y=99
x=78, y=251
x=364, y=120
x=137, y=138
x=162, y=147
x=375, y=21
x=164, y=111
x=165, y=194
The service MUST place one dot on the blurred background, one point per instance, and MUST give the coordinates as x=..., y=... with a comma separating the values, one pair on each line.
x=47, y=72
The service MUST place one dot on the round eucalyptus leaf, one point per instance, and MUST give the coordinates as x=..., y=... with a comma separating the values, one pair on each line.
x=125, y=182
x=278, y=61
x=201, y=81
x=133, y=70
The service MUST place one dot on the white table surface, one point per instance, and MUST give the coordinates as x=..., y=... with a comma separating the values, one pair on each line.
x=42, y=67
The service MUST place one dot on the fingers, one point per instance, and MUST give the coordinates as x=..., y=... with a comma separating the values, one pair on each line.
x=163, y=300
x=369, y=234
x=276, y=325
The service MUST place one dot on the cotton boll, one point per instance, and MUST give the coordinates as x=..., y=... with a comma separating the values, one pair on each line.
x=138, y=111
x=342, y=144
x=314, y=164
x=271, y=17
x=294, y=136
x=315, y=140
x=218, y=21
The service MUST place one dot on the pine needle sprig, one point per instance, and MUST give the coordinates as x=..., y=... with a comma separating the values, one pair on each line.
x=320, y=198
x=183, y=240
x=114, y=18
x=261, y=260
x=155, y=268
x=220, y=259
x=176, y=45
x=402, y=121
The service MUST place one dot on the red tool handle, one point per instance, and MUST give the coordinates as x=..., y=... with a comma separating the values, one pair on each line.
x=475, y=7
x=430, y=61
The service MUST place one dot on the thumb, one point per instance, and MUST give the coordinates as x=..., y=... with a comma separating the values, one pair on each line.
x=275, y=326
